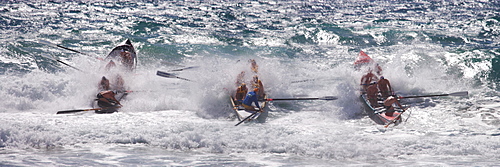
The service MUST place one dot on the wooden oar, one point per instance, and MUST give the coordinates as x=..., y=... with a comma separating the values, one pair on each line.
x=306, y=98
x=68, y=65
x=92, y=109
x=135, y=91
x=250, y=116
x=185, y=68
x=60, y=46
x=305, y=80
x=72, y=50
x=464, y=93
x=62, y=62
x=73, y=111
x=169, y=75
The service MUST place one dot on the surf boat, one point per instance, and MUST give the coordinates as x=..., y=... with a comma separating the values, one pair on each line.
x=123, y=55
x=123, y=59
x=241, y=113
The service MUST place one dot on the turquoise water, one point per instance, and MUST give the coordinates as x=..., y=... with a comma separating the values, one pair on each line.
x=424, y=47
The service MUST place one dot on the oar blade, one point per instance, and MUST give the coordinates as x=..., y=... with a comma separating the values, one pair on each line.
x=68, y=111
x=184, y=79
x=186, y=68
x=80, y=110
x=169, y=75
x=329, y=98
x=165, y=74
x=464, y=93
x=73, y=111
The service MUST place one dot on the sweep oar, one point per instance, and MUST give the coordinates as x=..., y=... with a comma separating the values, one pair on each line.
x=185, y=68
x=67, y=65
x=62, y=62
x=306, y=98
x=60, y=46
x=305, y=80
x=73, y=111
x=72, y=50
x=80, y=110
x=250, y=116
x=169, y=75
x=464, y=93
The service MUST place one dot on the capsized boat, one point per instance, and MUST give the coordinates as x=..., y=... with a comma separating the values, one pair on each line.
x=240, y=113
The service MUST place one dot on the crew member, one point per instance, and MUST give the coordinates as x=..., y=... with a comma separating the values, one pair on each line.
x=240, y=93
x=127, y=60
x=119, y=83
x=106, y=99
x=367, y=79
x=257, y=83
x=371, y=93
x=255, y=67
x=110, y=65
x=104, y=84
x=240, y=79
x=389, y=107
x=251, y=98
x=385, y=87
x=378, y=69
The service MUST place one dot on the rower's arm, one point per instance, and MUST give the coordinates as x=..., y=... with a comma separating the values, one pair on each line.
x=256, y=101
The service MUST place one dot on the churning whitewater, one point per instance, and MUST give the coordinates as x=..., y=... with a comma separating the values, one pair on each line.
x=51, y=60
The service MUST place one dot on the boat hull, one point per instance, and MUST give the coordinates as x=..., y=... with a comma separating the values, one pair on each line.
x=377, y=114
x=114, y=56
x=241, y=114
x=124, y=46
x=95, y=104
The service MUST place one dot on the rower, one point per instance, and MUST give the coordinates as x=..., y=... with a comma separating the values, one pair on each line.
x=254, y=67
x=106, y=99
x=389, y=107
x=110, y=65
x=251, y=98
x=385, y=87
x=119, y=83
x=104, y=84
x=378, y=69
x=258, y=84
x=367, y=79
x=371, y=93
x=126, y=59
x=240, y=93
x=240, y=78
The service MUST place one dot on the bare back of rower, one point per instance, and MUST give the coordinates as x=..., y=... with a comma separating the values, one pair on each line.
x=367, y=79
x=385, y=87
